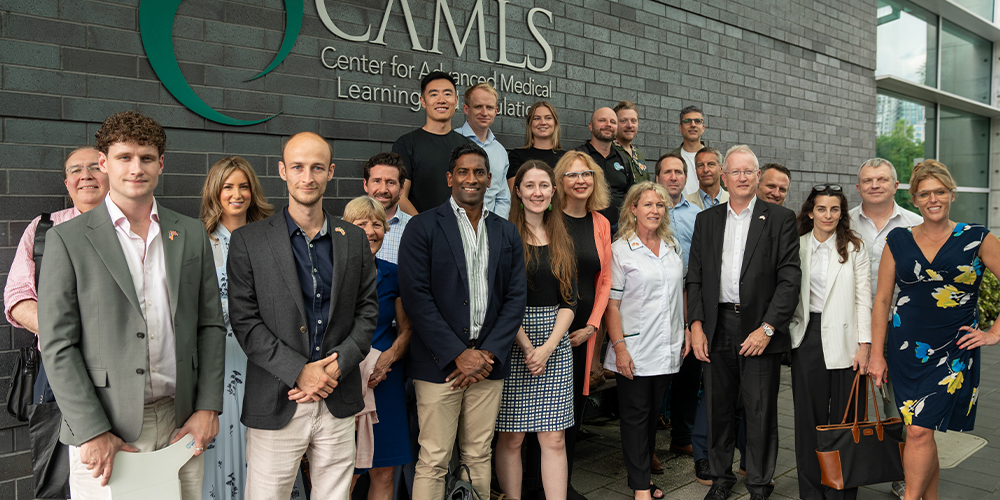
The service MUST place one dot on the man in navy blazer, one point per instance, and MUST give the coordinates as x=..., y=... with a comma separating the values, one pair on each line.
x=462, y=283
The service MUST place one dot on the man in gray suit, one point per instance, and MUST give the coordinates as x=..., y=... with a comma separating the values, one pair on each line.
x=303, y=305
x=130, y=322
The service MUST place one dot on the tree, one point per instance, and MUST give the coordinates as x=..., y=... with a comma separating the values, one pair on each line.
x=901, y=148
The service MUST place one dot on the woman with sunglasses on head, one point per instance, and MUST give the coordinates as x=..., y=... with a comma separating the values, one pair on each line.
x=935, y=325
x=830, y=330
x=541, y=140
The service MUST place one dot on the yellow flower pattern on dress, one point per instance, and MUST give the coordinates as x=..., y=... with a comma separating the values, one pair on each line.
x=972, y=402
x=968, y=276
x=934, y=276
x=907, y=411
x=953, y=381
x=944, y=295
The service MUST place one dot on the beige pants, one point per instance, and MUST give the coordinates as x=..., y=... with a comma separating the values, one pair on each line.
x=470, y=414
x=158, y=428
x=273, y=457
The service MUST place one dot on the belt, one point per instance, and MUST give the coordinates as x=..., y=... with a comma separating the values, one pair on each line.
x=730, y=306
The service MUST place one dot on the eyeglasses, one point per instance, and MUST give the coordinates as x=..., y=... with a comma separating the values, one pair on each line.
x=939, y=194
x=833, y=188
x=78, y=170
x=741, y=173
x=586, y=174
x=697, y=121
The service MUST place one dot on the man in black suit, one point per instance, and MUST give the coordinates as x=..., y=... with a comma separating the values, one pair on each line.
x=463, y=285
x=303, y=305
x=743, y=287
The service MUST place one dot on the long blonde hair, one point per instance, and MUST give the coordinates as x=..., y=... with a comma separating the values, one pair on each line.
x=600, y=198
x=626, y=220
x=529, y=139
x=211, y=206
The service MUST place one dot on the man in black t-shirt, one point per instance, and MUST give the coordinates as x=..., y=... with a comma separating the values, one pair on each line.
x=617, y=168
x=426, y=150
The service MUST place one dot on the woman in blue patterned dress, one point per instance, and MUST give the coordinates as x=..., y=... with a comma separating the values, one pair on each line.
x=231, y=198
x=392, y=433
x=934, y=332
x=538, y=394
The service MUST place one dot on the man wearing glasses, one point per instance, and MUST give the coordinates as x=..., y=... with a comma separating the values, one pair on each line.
x=692, y=127
x=743, y=284
x=878, y=214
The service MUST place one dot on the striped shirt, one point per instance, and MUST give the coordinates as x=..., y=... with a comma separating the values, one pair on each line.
x=477, y=258
x=390, y=243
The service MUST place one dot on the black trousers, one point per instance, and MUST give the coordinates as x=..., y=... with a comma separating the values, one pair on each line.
x=639, y=402
x=684, y=401
x=820, y=396
x=755, y=378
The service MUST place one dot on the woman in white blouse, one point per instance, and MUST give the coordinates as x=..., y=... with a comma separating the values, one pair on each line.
x=645, y=319
x=831, y=328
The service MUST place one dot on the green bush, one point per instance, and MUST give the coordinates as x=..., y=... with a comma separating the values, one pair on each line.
x=989, y=300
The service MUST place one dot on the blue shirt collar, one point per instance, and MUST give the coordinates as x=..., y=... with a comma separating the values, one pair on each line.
x=467, y=131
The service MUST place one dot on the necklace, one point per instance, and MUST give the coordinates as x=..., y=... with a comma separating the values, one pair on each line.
x=923, y=230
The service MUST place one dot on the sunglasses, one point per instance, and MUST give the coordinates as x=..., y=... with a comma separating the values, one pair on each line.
x=697, y=121
x=832, y=188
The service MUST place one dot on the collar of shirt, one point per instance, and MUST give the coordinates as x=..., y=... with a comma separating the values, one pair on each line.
x=706, y=199
x=634, y=243
x=461, y=211
x=293, y=226
x=118, y=217
x=732, y=213
x=467, y=131
x=684, y=203
x=828, y=243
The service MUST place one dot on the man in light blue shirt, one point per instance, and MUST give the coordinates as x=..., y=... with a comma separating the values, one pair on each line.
x=671, y=173
x=384, y=175
x=480, y=108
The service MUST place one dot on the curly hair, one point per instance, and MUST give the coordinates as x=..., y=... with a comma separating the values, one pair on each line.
x=131, y=126
x=211, y=205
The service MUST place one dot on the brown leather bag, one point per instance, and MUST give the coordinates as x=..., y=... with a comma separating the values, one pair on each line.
x=859, y=453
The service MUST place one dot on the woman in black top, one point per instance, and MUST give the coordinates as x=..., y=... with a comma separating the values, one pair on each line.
x=541, y=140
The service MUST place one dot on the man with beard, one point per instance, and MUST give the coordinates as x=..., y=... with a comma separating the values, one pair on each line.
x=617, y=166
x=628, y=127
x=692, y=127
x=384, y=177
x=774, y=181
x=303, y=305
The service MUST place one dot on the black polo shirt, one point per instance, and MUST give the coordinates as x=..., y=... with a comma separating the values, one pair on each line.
x=618, y=174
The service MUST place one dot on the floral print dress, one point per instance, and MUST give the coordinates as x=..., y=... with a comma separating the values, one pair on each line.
x=935, y=382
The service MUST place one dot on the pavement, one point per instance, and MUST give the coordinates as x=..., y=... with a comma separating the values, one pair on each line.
x=599, y=471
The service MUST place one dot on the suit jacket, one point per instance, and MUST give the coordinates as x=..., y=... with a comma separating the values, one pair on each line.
x=769, y=278
x=434, y=287
x=92, y=331
x=847, y=311
x=268, y=316
x=695, y=198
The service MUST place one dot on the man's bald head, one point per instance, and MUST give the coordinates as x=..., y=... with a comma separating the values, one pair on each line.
x=306, y=136
x=603, y=124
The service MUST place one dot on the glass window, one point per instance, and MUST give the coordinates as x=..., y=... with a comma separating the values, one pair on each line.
x=905, y=135
x=969, y=207
x=983, y=8
x=965, y=63
x=907, y=42
x=965, y=147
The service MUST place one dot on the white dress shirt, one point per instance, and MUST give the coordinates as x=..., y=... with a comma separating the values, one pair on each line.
x=476, y=245
x=817, y=271
x=733, y=245
x=147, y=265
x=651, y=291
x=875, y=239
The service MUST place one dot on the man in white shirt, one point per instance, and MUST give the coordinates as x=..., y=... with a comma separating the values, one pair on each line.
x=480, y=110
x=692, y=127
x=878, y=214
x=384, y=175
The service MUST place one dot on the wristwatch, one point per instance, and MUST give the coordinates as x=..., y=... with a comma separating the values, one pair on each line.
x=767, y=329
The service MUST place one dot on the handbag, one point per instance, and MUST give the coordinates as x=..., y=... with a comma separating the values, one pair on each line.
x=456, y=489
x=859, y=453
x=22, y=384
x=49, y=457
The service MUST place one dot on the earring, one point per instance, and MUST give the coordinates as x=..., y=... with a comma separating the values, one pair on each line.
x=550, y=207
x=522, y=205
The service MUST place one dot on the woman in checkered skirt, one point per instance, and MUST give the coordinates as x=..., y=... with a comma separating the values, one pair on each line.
x=538, y=393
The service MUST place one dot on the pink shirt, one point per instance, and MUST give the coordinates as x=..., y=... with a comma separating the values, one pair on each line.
x=147, y=266
x=21, y=279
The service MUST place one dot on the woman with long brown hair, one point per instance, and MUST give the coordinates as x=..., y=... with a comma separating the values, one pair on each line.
x=831, y=327
x=541, y=140
x=538, y=394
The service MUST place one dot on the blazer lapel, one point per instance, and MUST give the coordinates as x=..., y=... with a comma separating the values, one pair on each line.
x=757, y=220
x=494, y=233
x=102, y=236
x=805, y=262
x=341, y=251
x=284, y=260
x=833, y=269
x=449, y=223
x=173, y=253
x=718, y=238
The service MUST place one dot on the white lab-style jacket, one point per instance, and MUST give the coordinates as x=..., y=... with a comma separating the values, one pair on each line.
x=847, y=310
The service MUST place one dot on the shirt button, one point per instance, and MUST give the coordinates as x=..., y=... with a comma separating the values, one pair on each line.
x=317, y=348
x=319, y=322
x=152, y=370
x=314, y=271
x=310, y=245
x=140, y=371
x=152, y=335
x=318, y=295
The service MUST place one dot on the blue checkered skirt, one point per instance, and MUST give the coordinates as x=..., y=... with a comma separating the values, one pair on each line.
x=543, y=403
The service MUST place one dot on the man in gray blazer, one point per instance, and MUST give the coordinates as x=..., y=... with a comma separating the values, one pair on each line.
x=303, y=305
x=130, y=322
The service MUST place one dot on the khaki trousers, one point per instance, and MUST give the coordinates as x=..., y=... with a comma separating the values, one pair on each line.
x=158, y=428
x=273, y=457
x=469, y=414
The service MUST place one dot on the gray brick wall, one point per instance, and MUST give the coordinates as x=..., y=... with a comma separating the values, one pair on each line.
x=791, y=78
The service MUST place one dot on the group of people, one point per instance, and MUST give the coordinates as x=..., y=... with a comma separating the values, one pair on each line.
x=475, y=288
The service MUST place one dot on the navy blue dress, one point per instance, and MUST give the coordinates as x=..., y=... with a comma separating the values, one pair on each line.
x=935, y=382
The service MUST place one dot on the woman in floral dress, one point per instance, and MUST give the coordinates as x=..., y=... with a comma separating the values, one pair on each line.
x=933, y=334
